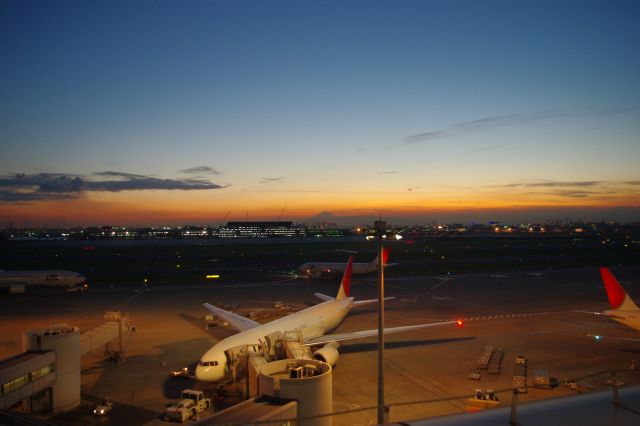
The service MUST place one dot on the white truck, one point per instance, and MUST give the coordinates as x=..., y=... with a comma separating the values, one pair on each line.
x=191, y=403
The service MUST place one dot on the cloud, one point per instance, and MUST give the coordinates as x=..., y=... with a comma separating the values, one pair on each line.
x=575, y=194
x=271, y=179
x=504, y=120
x=388, y=172
x=572, y=189
x=482, y=124
x=22, y=187
x=201, y=170
x=552, y=184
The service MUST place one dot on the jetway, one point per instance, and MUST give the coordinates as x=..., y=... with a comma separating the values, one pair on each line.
x=46, y=376
x=112, y=336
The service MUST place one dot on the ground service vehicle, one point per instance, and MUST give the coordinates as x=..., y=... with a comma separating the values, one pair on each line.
x=103, y=408
x=191, y=403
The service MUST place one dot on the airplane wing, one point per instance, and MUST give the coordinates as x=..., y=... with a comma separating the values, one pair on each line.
x=327, y=338
x=598, y=337
x=324, y=297
x=588, y=312
x=357, y=303
x=237, y=321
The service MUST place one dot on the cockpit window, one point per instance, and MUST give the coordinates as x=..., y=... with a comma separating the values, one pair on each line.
x=208, y=363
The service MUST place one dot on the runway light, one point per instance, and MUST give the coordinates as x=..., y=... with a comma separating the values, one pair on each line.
x=597, y=337
x=460, y=323
x=213, y=276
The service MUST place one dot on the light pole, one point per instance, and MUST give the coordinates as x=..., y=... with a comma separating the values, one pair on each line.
x=381, y=229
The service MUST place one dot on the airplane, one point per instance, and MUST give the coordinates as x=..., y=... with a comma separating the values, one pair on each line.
x=624, y=310
x=321, y=269
x=17, y=281
x=312, y=323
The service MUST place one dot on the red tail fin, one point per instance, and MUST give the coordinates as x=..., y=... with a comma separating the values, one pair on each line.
x=385, y=255
x=346, y=280
x=615, y=292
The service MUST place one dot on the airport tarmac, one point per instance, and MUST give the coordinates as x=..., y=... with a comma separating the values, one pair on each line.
x=525, y=313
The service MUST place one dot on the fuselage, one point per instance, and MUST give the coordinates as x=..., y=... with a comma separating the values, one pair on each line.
x=47, y=278
x=336, y=268
x=311, y=322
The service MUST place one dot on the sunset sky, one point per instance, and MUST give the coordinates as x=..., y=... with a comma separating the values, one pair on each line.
x=187, y=112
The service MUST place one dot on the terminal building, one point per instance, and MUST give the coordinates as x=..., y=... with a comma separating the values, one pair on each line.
x=46, y=376
x=261, y=230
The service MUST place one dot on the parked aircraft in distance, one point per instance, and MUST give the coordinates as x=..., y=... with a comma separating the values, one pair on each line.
x=323, y=269
x=17, y=281
x=312, y=324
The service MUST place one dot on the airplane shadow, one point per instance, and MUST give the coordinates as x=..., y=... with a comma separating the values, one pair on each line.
x=218, y=332
x=368, y=347
x=194, y=321
x=365, y=311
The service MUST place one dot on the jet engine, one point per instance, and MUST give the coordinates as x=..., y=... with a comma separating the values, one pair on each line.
x=17, y=289
x=328, y=353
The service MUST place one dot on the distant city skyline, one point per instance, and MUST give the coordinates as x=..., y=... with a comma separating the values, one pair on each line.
x=158, y=112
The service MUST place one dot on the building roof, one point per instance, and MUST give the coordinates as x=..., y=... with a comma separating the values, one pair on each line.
x=595, y=409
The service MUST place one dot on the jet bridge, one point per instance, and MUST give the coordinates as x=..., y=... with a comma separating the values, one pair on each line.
x=112, y=336
x=46, y=376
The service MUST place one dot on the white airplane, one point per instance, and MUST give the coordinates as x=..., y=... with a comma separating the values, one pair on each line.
x=312, y=323
x=624, y=310
x=17, y=281
x=320, y=269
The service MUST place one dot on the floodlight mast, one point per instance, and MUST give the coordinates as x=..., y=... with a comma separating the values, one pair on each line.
x=381, y=228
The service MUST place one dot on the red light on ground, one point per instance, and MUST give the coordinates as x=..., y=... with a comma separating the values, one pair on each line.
x=460, y=323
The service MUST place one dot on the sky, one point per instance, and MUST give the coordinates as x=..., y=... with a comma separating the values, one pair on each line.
x=198, y=112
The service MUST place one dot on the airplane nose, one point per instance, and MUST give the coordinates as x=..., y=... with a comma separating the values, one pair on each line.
x=201, y=373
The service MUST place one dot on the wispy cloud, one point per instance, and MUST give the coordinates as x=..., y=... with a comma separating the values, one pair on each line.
x=388, y=172
x=575, y=194
x=492, y=122
x=481, y=124
x=22, y=187
x=201, y=170
x=572, y=189
x=562, y=184
x=271, y=179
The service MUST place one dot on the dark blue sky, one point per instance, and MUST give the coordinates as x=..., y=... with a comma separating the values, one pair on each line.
x=331, y=98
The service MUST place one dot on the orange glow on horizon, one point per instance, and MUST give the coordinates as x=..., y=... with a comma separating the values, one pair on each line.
x=211, y=207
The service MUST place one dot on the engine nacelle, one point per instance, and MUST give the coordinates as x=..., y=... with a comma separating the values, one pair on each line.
x=17, y=289
x=328, y=353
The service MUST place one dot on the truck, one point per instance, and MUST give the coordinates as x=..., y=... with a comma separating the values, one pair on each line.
x=103, y=408
x=542, y=380
x=192, y=403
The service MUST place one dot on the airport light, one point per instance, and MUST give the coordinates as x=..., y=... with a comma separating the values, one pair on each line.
x=460, y=323
x=212, y=276
x=381, y=229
